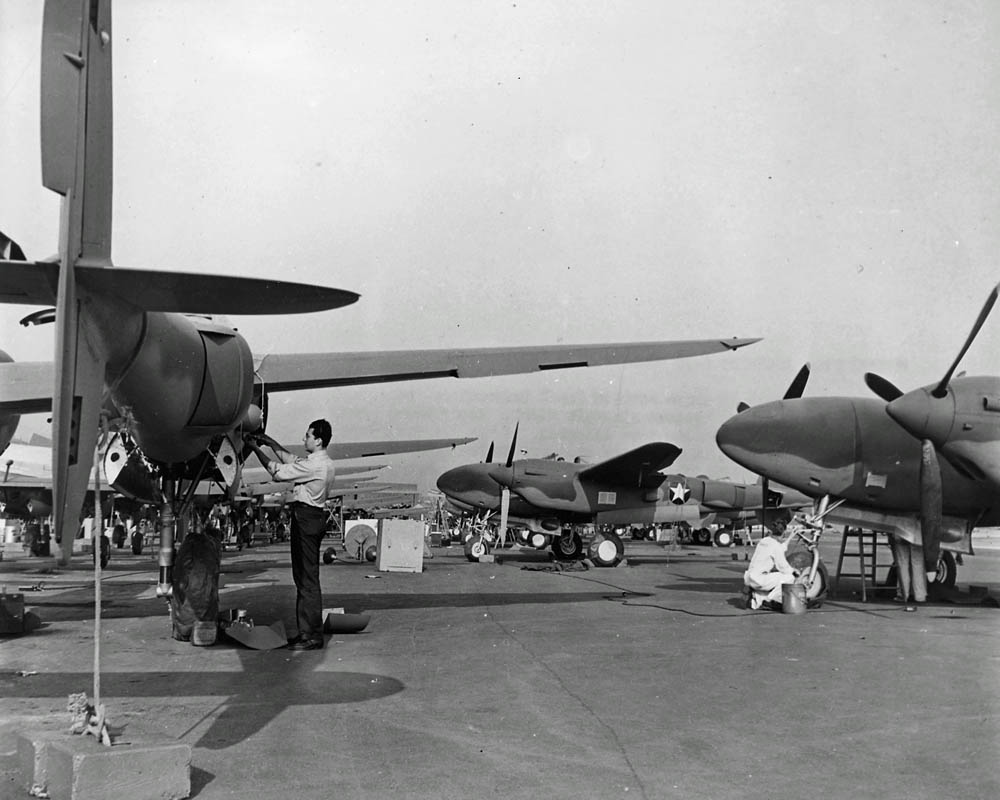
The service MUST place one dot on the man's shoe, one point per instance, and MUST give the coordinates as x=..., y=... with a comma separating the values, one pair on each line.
x=301, y=643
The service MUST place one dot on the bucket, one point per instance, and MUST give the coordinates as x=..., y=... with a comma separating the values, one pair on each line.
x=793, y=598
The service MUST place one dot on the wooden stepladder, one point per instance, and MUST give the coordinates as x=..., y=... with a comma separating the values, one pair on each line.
x=865, y=549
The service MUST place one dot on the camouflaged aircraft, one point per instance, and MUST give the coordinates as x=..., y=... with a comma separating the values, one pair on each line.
x=549, y=496
x=875, y=463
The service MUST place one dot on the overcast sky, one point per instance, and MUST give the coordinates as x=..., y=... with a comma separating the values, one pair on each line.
x=823, y=175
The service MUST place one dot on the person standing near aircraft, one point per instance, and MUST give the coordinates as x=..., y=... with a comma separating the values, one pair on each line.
x=313, y=479
x=769, y=570
x=910, y=570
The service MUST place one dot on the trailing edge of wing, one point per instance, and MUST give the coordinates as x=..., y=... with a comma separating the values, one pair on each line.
x=285, y=372
x=26, y=387
x=35, y=282
x=632, y=467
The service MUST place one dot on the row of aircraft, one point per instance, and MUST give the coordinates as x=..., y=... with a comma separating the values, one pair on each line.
x=923, y=465
x=550, y=496
x=143, y=363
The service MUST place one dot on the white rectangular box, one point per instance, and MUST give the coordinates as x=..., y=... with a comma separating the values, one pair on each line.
x=400, y=545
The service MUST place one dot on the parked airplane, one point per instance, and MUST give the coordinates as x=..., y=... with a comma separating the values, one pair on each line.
x=550, y=495
x=179, y=390
x=883, y=468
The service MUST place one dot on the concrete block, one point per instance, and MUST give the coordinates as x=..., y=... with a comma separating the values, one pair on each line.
x=72, y=767
x=32, y=756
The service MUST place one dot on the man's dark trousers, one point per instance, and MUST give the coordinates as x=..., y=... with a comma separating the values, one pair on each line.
x=308, y=527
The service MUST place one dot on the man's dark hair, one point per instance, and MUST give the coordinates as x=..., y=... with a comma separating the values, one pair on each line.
x=321, y=430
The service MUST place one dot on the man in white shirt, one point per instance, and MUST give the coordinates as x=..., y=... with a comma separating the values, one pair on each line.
x=769, y=570
x=313, y=479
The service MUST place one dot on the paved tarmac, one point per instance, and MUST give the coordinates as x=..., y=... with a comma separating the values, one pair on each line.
x=480, y=680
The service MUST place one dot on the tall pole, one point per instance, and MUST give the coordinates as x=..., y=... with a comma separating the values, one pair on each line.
x=98, y=541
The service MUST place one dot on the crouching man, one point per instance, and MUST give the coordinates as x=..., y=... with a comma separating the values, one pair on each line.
x=194, y=603
x=769, y=569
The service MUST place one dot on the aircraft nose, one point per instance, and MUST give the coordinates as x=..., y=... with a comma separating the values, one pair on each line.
x=749, y=437
x=450, y=482
x=924, y=416
x=786, y=438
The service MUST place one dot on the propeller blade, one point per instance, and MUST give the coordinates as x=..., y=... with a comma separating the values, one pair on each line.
x=883, y=388
x=742, y=407
x=489, y=454
x=798, y=384
x=930, y=502
x=504, y=509
x=513, y=446
x=942, y=388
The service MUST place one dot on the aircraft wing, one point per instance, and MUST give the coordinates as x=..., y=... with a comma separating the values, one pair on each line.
x=287, y=372
x=344, y=450
x=254, y=475
x=634, y=467
x=26, y=386
x=16, y=481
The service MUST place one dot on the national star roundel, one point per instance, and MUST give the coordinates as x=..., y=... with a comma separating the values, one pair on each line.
x=679, y=493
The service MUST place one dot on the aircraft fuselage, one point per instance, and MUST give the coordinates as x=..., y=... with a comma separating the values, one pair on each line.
x=848, y=448
x=547, y=488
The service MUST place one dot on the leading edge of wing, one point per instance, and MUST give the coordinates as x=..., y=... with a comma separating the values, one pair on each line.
x=34, y=283
x=343, y=450
x=292, y=371
x=631, y=468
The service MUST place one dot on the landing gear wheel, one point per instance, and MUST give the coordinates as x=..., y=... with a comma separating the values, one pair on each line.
x=606, y=550
x=329, y=555
x=538, y=540
x=816, y=592
x=947, y=570
x=567, y=547
x=703, y=536
x=475, y=547
x=723, y=537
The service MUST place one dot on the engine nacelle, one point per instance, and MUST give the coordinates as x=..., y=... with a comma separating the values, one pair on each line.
x=191, y=379
x=38, y=508
x=8, y=422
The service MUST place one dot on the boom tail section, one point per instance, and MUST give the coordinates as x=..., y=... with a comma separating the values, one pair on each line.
x=76, y=163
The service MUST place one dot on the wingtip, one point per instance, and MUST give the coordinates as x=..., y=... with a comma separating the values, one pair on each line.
x=736, y=343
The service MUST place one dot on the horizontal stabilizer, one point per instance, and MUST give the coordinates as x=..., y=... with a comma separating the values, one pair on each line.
x=286, y=372
x=630, y=468
x=35, y=283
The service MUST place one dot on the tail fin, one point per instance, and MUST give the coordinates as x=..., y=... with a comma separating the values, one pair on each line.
x=76, y=163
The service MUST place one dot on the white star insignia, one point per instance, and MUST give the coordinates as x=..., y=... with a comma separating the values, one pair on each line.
x=679, y=494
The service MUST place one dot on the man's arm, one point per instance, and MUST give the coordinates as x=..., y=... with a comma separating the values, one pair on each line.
x=282, y=455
